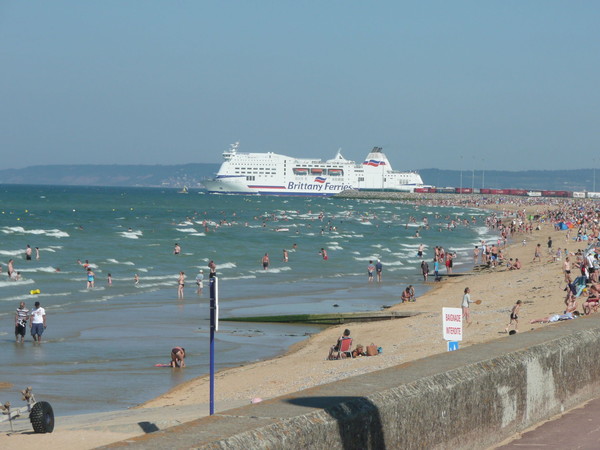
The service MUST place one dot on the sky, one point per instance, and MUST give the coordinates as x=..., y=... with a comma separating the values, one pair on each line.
x=495, y=85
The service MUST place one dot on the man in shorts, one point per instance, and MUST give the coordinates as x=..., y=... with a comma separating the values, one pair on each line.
x=379, y=270
x=38, y=322
x=21, y=318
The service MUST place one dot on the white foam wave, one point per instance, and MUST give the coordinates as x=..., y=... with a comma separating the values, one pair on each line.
x=15, y=283
x=366, y=258
x=394, y=263
x=412, y=245
x=47, y=269
x=242, y=277
x=11, y=252
x=187, y=230
x=114, y=261
x=130, y=234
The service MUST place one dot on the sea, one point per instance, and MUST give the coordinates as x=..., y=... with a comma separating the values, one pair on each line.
x=101, y=344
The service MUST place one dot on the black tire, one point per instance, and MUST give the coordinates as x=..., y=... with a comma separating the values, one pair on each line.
x=42, y=417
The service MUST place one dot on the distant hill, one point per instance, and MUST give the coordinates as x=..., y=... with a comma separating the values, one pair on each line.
x=181, y=175
x=191, y=175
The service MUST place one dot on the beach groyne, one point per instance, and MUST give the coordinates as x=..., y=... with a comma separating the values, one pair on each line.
x=471, y=398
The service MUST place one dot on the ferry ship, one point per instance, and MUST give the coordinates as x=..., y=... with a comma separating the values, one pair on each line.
x=274, y=174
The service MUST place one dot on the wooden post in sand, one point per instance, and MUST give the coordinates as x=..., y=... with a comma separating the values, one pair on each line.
x=214, y=326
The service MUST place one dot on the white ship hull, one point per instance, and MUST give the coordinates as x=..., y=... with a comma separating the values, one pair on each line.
x=274, y=174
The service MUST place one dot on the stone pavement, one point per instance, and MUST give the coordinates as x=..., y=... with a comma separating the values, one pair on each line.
x=578, y=428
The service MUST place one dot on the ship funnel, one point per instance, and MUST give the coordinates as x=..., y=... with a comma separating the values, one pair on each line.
x=377, y=159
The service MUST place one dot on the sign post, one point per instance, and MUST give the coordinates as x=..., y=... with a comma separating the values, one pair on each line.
x=452, y=328
x=214, y=326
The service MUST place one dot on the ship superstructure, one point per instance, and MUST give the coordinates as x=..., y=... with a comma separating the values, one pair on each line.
x=275, y=174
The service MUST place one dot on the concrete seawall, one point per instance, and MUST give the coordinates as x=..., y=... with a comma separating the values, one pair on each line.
x=471, y=398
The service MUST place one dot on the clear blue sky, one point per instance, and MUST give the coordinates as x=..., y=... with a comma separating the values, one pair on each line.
x=505, y=85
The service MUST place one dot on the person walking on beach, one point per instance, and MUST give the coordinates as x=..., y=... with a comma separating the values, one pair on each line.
x=265, y=261
x=90, y=278
x=538, y=253
x=180, y=285
x=379, y=269
x=178, y=357
x=37, y=322
x=465, y=305
x=212, y=268
x=567, y=269
x=200, y=281
x=514, y=316
x=21, y=317
x=425, y=270
x=370, y=270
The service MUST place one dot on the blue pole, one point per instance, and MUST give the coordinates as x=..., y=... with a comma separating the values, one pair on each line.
x=213, y=325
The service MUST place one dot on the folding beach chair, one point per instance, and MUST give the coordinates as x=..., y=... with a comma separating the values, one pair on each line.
x=345, y=350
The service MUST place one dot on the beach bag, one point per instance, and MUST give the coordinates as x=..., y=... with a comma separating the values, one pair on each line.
x=372, y=350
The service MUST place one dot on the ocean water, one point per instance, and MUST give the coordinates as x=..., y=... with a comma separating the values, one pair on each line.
x=101, y=344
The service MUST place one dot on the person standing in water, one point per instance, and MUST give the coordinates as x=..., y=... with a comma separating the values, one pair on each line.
x=90, y=278
x=379, y=270
x=21, y=317
x=180, y=285
x=265, y=261
x=38, y=322
x=213, y=269
x=176, y=249
x=10, y=268
x=200, y=281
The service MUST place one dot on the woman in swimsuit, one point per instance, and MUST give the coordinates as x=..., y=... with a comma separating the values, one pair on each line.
x=90, y=278
x=177, y=357
x=181, y=284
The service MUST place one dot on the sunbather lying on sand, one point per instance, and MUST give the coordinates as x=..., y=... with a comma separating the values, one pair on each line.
x=557, y=317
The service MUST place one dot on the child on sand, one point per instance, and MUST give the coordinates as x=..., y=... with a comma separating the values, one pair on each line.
x=514, y=316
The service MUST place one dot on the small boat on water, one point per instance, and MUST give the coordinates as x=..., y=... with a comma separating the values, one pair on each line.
x=184, y=190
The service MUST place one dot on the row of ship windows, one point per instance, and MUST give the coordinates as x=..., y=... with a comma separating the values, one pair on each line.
x=317, y=172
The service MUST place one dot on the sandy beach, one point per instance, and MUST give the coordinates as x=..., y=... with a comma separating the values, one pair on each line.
x=538, y=284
